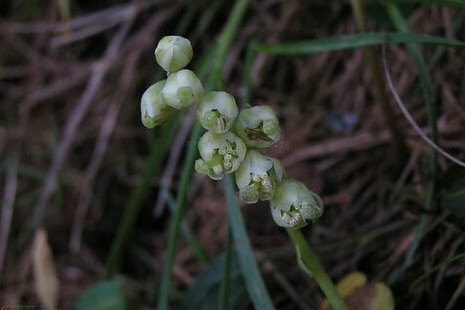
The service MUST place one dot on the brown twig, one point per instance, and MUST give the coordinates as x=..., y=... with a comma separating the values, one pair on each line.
x=107, y=129
x=360, y=141
x=173, y=160
x=412, y=121
x=458, y=292
x=98, y=73
x=89, y=180
x=8, y=202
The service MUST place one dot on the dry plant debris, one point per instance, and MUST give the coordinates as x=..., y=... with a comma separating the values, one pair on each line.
x=72, y=148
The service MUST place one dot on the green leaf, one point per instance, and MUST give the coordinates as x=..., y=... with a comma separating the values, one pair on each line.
x=253, y=280
x=455, y=203
x=203, y=294
x=105, y=295
x=352, y=41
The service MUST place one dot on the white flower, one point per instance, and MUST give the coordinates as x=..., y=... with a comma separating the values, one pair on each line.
x=294, y=206
x=258, y=126
x=217, y=111
x=257, y=176
x=182, y=90
x=154, y=110
x=221, y=154
x=173, y=53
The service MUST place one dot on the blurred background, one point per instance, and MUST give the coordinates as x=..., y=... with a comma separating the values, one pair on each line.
x=76, y=161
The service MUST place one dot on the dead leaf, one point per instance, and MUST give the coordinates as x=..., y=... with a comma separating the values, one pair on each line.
x=45, y=277
x=361, y=295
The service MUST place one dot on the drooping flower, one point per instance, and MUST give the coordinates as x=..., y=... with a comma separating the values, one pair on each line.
x=258, y=126
x=154, y=110
x=294, y=205
x=182, y=89
x=257, y=177
x=221, y=154
x=217, y=111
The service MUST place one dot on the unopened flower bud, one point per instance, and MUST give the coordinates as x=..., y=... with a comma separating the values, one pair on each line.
x=154, y=110
x=173, y=53
x=258, y=126
x=217, y=111
x=221, y=154
x=257, y=177
x=182, y=90
x=294, y=206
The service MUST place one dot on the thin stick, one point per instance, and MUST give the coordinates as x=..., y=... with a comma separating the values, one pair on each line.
x=89, y=181
x=106, y=130
x=99, y=71
x=175, y=153
x=7, y=205
x=410, y=119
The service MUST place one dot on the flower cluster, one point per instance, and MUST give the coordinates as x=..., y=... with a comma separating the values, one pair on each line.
x=232, y=139
x=181, y=90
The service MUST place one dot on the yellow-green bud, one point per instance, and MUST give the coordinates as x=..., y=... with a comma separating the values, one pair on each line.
x=173, y=53
x=258, y=126
x=182, y=90
x=154, y=110
x=217, y=111
x=294, y=205
x=221, y=154
x=257, y=176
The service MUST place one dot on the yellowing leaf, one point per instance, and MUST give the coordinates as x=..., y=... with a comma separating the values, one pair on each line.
x=383, y=298
x=45, y=278
x=361, y=295
x=350, y=283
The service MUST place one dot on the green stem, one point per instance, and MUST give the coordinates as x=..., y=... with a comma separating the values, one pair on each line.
x=309, y=260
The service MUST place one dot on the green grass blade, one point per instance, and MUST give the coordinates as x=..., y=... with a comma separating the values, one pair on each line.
x=248, y=72
x=176, y=219
x=352, y=41
x=228, y=34
x=425, y=84
x=178, y=212
x=189, y=237
x=440, y=50
x=224, y=288
x=158, y=150
x=253, y=280
x=222, y=48
x=436, y=268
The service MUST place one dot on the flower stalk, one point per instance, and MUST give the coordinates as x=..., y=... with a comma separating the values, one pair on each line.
x=224, y=151
x=309, y=262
